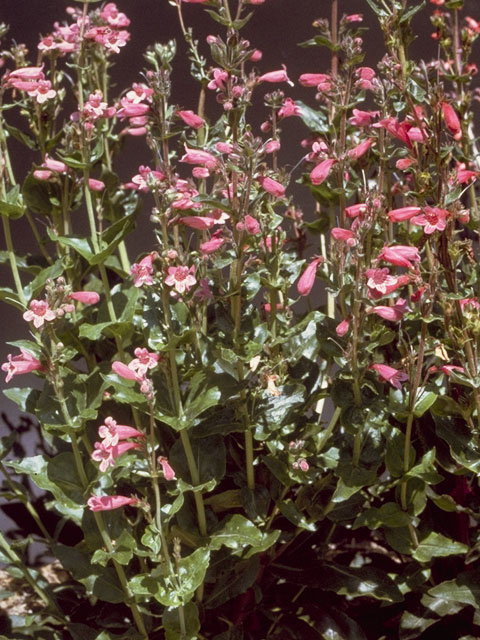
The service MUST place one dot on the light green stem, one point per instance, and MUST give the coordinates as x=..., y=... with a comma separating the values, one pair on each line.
x=12, y=260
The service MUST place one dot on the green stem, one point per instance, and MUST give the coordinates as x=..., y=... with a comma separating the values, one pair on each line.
x=12, y=260
x=34, y=585
x=325, y=435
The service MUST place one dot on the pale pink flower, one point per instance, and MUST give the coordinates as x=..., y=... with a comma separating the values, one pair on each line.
x=313, y=79
x=446, y=369
x=389, y=374
x=200, y=172
x=111, y=432
x=43, y=91
x=404, y=163
x=360, y=149
x=181, y=278
x=280, y=75
x=400, y=255
x=107, y=455
x=381, y=283
x=469, y=302
x=218, y=80
x=142, y=271
x=343, y=235
x=198, y=222
x=113, y=16
x=27, y=73
x=355, y=210
x=273, y=187
x=124, y=371
x=321, y=171
x=39, y=313
x=289, y=108
x=107, y=503
x=95, y=185
x=167, y=470
x=20, y=364
x=212, y=245
x=87, y=297
x=404, y=213
x=307, y=279
x=143, y=361
x=393, y=314
x=191, y=119
x=354, y=17
x=139, y=92
x=200, y=157
x=272, y=146
x=224, y=147
x=463, y=174
x=250, y=225
x=363, y=118
x=433, y=219
x=365, y=75
x=256, y=56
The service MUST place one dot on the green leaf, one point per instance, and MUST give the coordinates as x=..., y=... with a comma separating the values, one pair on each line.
x=408, y=15
x=202, y=394
x=288, y=509
x=190, y=573
x=357, y=582
x=209, y=454
x=100, y=582
x=457, y=435
x=38, y=195
x=12, y=207
x=236, y=532
x=171, y=622
x=389, y=514
x=424, y=401
x=315, y=120
x=425, y=469
x=25, y=398
x=465, y=589
x=231, y=580
x=436, y=545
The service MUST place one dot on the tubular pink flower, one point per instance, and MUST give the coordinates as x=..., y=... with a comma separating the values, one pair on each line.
x=363, y=118
x=107, y=503
x=273, y=187
x=360, y=149
x=111, y=432
x=123, y=371
x=393, y=314
x=355, y=210
x=280, y=75
x=143, y=361
x=433, y=219
x=198, y=222
x=289, y=108
x=95, y=185
x=389, y=374
x=342, y=328
x=107, y=455
x=191, y=119
x=381, y=283
x=215, y=242
x=404, y=213
x=181, y=278
x=200, y=157
x=321, y=171
x=18, y=365
x=168, y=472
x=400, y=255
x=452, y=121
x=87, y=297
x=307, y=279
x=27, y=73
x=313, y=79
x=142, y=271
x=343, y=235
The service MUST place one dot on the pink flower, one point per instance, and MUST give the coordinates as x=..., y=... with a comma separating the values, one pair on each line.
x=400, y=255
x=113, y=16
x=42, y=91
x=224, y=147
x=168, y=472
x=313, y=79
x=191, y=119
x=393, y=314
x=404, y=213
x=404, y=163
x=343, y=235
x=307, y=279
x=200, y=157
x=271, y=146
x=111, y=432
x=451, y=120
x=381, y=283
x=198, y=222
x=95, y=185
x=107, y=455
x=143, y=361
x=354, y=17
x=276, y=76
x=39, y=313
x=433, y=219
x=389, y=374
x=181, y=278
x=342, y=328
x=321, y=171
x=289, y=108
x=363, y=118
x=360, y=149
x=365, y=75
x=123, y=371
x=355, y=210
x=463, y=174
x=142, y=271
x=218, y=80
x=215, y=242
x=18, y=365
x=87, y=297
x=251, y=226
x=27, y=73
x=107, y=503
x=446, y=369
x=273, y=187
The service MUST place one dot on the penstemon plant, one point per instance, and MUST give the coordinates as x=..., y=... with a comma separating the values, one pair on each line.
x=266, y=424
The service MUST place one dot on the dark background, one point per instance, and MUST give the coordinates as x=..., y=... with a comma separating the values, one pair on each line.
x=276, y=28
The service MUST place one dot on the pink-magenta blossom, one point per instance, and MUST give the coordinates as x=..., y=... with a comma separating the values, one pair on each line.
x=355, y=210
x=142, y=271
x=39, y=313
x=393, y=314
x=280, y=75
x=360, y=149
x=191, y=119
x=307, y=279
x=200, y=157
x=198, y=222
x=272, y=186
x=106, y=455
x=111, y=432
x=404, y=213
x=181, y=278
x=143, y=361
x=95, y=185
x=168, y=472
x=20, y=364
x=400, y=255
x=343, y=235
x=87, y=297
x=452, y=120
x=433, y=219
x=381, y=283
x=342, y=328
x=123, y=371
x=389, y=374
x=215, y=242
x=313, y=79
x=321, y=171
x=107, y=503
